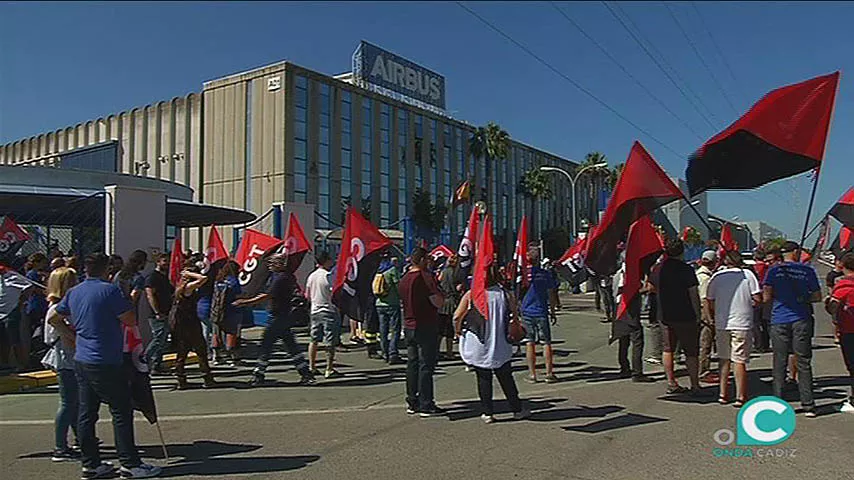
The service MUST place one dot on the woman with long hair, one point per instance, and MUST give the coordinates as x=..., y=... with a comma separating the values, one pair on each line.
x=186, y=327
x=485, y=347
x=60, y=359
x=225, y=317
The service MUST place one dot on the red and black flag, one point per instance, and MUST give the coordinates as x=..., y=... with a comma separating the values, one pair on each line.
x=12, y=238
x=252, y=255
x=440, y=254
x=570, y=266
x=478, y=313
x=361, y=249
x=136, y=368
x=642, y=250
x=783, y=134
x=176, y=261
x=843, y=210
x=643, y=186
x=296, y=244
x=521, y=267
x=467, y=250
x=215, y=255
x=844, y=241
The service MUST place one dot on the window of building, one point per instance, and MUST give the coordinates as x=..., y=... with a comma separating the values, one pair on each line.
x=346, y=151
x=300, y=139
x=402, y=143
x=419, y=141
x=367, y=154
x=385, y=164
x=447, y=181
x=434, y=165
x=323, y=160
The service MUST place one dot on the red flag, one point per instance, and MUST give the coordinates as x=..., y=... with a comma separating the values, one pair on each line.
x=215, y=253
x=12, y=237
x=466, y=251
x=255, y=248
x=845, y=238
x=783, y=134
x=176, y=261
x=137, y=369
x=520, y=257
x=642, y=249
x=485, y=257
x=642, y=187
x=357, y=264
x=570, y=265
x=296, y=245
x=843, y=210
x=440, y=252
x=728, y=244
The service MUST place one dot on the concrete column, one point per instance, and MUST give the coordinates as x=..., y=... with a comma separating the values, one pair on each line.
x=135, y=218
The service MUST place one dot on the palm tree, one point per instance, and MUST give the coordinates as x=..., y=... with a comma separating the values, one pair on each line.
x=490, y=143
x=614, y=174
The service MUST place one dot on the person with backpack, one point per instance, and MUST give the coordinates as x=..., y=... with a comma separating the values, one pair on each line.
x=840, y=304
x=385, y=287
x=225, y=317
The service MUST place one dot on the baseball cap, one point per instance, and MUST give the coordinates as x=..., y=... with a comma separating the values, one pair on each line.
x=710, y=256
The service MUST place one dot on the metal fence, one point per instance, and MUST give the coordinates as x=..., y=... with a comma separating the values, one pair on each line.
x=73, y=227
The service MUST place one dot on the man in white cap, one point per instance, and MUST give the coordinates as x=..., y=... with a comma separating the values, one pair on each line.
x=707, y=324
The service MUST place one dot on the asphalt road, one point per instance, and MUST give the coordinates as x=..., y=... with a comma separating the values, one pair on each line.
x=591, y=425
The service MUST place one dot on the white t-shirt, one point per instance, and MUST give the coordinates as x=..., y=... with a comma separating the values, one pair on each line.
x=731, y=289
x=318, y=289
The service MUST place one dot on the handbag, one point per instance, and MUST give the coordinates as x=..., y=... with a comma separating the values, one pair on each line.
x=515, y=330
x=51, y=358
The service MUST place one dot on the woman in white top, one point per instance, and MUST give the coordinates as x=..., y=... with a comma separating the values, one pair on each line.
x=484, y=345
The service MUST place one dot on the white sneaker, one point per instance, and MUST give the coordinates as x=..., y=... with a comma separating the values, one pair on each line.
x=847, y=407
x=487, y=419
x=143, y=470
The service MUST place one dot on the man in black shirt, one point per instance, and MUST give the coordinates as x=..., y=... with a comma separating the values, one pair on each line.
x=284, y=295
x=158, y=293
x=679, y=304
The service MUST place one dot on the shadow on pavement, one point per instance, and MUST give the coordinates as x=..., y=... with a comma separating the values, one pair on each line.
x=465, y=410
x=615, y=423
x=580, y=411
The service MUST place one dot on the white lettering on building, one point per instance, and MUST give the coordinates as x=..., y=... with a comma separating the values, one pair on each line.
x=406, y=77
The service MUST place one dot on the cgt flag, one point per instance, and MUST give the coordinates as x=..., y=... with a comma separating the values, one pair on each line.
x=642, y=250
x=136, y=368
x=521, y=268
x=358, y=261
x=728, y=244
x=643, y=186
x=843, y=210
x=783, y=134
x=296, y=245
x=176, y=261
x=440, y=252
x=477, y=317
x=255, y=248
x=12, y=237
x=467, y=250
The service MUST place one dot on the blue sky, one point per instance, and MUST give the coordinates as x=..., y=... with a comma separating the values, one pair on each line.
x=63, y=63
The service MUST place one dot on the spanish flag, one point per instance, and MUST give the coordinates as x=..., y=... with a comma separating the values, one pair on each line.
x=463, y=194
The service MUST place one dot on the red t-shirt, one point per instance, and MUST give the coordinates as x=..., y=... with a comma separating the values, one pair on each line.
x=415, y=290
x=761, y=268
x=844, y=293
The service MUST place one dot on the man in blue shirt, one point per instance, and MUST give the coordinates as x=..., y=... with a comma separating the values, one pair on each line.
x=96, y=310
x=793, y=287
x=536, y=311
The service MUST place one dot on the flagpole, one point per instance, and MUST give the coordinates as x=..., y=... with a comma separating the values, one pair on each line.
x=807, y=220
x=162, y=443
x=697, y=212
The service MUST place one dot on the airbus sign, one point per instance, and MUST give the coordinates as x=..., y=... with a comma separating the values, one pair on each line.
x=385, y=69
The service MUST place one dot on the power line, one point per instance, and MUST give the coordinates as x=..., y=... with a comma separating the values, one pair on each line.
x=661, y=67
x=568, y=79
x=630, y=75
x=700, y=57
x=714, y=43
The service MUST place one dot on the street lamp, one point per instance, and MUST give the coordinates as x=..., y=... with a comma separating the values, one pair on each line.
x=572, y=180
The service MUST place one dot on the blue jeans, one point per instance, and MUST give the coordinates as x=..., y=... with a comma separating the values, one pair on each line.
x=159, y=332
x=538, y=329
x=389, y=325
x=107, y=384
x=69, y=401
